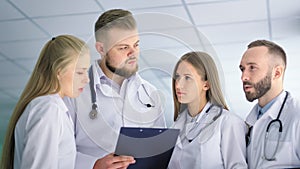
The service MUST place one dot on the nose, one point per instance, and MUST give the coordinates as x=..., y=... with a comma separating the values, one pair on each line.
x=86, y=79
x=133, y=51
x=178, y=83
x=245, y=76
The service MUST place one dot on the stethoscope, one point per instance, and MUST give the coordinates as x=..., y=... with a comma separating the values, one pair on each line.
x=94, y=112
x=272, y=122
x=197, y=123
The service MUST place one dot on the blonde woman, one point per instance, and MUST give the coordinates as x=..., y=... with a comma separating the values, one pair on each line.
x=40, y=133
x=211, y=137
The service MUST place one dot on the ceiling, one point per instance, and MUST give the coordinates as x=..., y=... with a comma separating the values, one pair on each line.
x=168, y=29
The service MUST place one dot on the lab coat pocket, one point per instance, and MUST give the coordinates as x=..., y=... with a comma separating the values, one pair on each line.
x=277, y=144
x=279, y=151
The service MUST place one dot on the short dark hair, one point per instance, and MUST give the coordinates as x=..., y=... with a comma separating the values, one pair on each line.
x=273, y=48
x=114, y=18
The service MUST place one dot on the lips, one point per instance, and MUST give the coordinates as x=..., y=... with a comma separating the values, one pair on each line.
x=247, y=87
x=131, y=61
x=179, y=93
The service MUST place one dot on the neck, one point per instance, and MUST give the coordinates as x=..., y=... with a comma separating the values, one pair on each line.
x=270, y=95
x=111, y=75
x=196, y=108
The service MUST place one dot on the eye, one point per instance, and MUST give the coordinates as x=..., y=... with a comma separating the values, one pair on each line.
x=136, y=45
x=123, y=48
x=80, y=73
x=252, y=68
x=187, y=77
x=176, y=77
x=242, y=69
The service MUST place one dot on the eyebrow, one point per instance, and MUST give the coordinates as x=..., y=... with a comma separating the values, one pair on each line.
x=249, y=63
x=184, y=74
x=121, y=44
x=82, y=68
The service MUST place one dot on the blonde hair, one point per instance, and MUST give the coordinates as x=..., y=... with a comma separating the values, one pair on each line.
x=55, y=56
x=207, y=69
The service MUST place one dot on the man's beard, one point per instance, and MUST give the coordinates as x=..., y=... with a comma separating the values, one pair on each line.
x=120, y=71
x=261, y=88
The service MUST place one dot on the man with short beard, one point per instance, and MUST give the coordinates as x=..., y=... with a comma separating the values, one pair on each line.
x=273, y=139
x=122, y=96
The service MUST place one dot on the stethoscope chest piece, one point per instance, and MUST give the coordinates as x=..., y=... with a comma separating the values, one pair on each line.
x=93, y=114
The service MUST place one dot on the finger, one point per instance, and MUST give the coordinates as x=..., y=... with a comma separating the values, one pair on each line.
x=122, y=164
x=117, y=159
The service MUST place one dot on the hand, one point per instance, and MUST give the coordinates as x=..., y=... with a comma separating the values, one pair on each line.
x=113, y=162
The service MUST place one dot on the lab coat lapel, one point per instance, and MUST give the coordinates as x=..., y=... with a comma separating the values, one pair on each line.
x=274, y=109
x=91, y=127
x=179, y=124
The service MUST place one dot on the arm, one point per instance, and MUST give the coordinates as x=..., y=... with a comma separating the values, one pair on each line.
x=88, y=161
x=233, y=146
x=82, y=160
x=297, y=138
x=43, y=130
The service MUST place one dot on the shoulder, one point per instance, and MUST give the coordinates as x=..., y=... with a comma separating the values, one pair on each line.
x=48, y=106
x=46, y=100
x=294, y=102
x=230, y=118
x=293, y=107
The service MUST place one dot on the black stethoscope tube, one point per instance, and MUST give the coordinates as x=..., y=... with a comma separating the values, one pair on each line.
x=94, y=112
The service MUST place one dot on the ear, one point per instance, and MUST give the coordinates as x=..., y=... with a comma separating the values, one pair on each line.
x=206, y=85
x=59, y=74
x=100, y=48
x=278, y=72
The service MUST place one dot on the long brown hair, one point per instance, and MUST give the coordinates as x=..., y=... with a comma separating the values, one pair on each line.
x=206, y=68
x=55, y=56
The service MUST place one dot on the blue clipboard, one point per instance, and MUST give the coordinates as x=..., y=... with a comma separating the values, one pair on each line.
x=152, y=148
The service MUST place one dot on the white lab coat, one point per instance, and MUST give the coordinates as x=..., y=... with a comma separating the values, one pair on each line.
x=96, y=138
x=288, y=154
x=224, y=149
x=44, y=136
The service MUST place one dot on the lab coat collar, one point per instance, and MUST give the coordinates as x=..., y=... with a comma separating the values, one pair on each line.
x=182, y=117
x=272, y=112
x=181, y=121
x=274, y=109
x=252, y=117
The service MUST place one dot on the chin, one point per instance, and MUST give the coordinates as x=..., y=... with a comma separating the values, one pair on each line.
x=74, y=95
